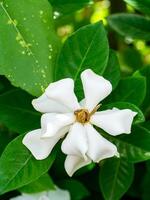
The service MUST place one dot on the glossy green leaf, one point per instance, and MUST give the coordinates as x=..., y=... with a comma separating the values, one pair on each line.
x=112, y=71
x=142, y=5
x=148, y=165
x=1, y=86
x=77, y=190
x=130, y=25
x=18, y=167
x=68, y=6
x=130, y=89
x=139, y=118
x=16, y=111
x=28, y=43
x=132, y=58
x=145, y=191
x=115, y=178
x=135, y=146
x=5, y=137
x=145, y=71
x=76, y=56
x=44, y=183
x=145, y=187
x=147, y=124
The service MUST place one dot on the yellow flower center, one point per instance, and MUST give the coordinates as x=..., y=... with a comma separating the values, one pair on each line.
x=83, y=115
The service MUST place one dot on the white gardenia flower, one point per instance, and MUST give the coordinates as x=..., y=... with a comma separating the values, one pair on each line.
x=64, y=114
x=57, y=194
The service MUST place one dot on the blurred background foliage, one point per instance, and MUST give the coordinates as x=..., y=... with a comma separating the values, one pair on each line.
x=134, y=58
x=138, y=50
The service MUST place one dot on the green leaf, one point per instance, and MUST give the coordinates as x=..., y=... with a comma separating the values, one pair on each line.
x=142, y=5
x=68, y=6
x=77, y=190
x=145, y=71
x=130, y=89
x=147, y=124
x=132, y=58
x=148, y=165
x=145, y=187
x=76, y=56
x=130, y=25
x=112, y=71
x=18, y=167
x=115, y=178
x=139, y=118
x=16, y=111
x=134, y=147
x=44, y=183
x=5, y=138
x=1, y=86
x=28, y=43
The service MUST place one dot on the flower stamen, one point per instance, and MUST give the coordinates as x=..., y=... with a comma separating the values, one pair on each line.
x=83, y=115
x=95, y=109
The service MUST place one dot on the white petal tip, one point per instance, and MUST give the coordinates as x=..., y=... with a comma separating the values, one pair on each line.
x=34, y=103
x=35, y=156
x=70, y=174
x=134, y=113
x=86, y=71
x=35, y=145
x=117, y=154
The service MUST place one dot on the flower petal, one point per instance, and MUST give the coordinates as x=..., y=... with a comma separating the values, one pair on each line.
x=96, y=88
x=51, y=123
x=58, y=194
x=73, y=163
x=24, y=196
x=82, y=103
x=98, y=147
x=63, y=92
x=39, y=147
x=76, y=141
x=44, y=104
x=114, y=121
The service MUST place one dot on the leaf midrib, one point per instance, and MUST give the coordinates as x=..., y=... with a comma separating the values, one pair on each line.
x=135, y=146
x=4, y=188
x=114, y=180
x=19, y=32
x=84, y=57
x=131, y=26
x=20, y=109
x=14, y=107
x=125, y=97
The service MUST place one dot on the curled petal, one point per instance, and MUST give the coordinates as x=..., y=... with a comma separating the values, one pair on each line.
x=75, y=142
x=96, y=88
x=39, y=147
x=58, y=194
x=73, y=163
x=51, y=123
x=24, y=196
x=44, y=104
x=98, y=147
x=63, y=92
x=114, y=121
